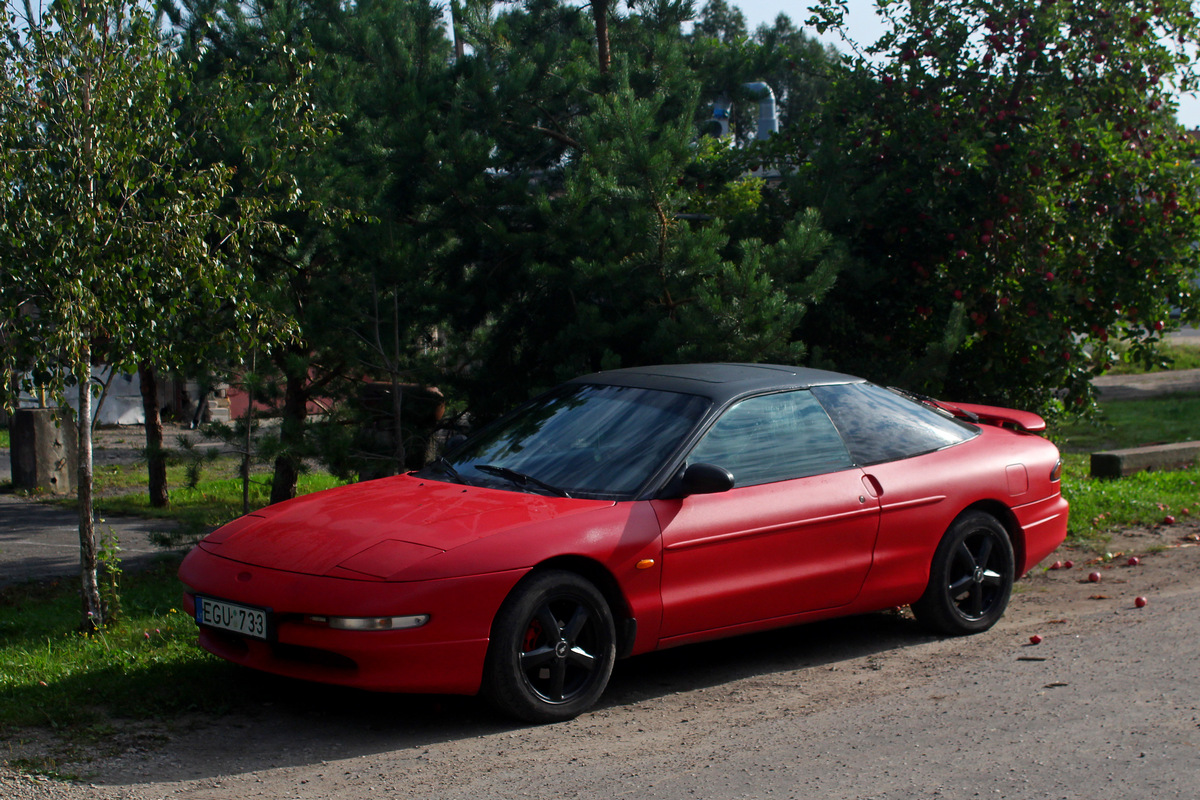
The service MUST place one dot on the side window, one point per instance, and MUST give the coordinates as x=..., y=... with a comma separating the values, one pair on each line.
x=774, y=437
x=880, y=425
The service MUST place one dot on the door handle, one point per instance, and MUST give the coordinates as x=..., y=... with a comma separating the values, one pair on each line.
x=873, y=486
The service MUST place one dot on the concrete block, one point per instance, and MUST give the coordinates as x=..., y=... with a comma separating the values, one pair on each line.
x=43, y=452
x=1122, y=463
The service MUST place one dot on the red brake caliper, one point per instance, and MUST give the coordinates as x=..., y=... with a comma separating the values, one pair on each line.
x=532, y=635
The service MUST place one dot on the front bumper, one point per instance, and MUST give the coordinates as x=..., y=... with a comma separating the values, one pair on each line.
x=444, y=656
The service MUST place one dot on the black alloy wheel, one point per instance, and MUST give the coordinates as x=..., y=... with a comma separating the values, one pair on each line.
x=971, y=578
x=552, y=650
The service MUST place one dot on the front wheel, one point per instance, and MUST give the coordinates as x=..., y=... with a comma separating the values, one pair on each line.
x=552, y=650
x=971, y=578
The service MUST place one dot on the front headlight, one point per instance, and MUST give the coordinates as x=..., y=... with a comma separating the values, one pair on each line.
x=369, y=623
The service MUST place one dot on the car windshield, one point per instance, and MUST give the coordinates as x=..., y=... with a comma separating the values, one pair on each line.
x=578, y=440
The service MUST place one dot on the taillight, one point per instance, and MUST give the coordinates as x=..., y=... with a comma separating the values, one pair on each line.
x=1056, y=473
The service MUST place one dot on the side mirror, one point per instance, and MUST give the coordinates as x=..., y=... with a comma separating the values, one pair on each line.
x=705, y=479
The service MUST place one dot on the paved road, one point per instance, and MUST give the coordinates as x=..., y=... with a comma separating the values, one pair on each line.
x=39, y=540
x=42, y=541
x=1134, y=387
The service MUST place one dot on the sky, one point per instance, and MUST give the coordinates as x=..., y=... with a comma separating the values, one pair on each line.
x=864, y=27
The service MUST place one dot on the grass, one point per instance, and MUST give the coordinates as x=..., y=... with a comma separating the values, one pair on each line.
x=1174, y=356
x=145, y=667
x=1133, y=423
x=213, y=501
x=1098, y=505
x=4, y=438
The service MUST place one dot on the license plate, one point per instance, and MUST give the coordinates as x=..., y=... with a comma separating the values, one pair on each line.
x=246, y=620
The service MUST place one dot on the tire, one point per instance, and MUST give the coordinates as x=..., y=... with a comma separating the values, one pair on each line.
x=552, y=649
x=971, y=578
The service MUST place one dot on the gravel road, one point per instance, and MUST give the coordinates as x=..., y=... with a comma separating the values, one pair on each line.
x=1107, y=706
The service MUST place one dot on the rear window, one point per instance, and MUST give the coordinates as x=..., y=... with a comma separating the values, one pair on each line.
x=879, y=425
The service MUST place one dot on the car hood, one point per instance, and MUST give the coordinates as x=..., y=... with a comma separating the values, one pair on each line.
x=378, y=528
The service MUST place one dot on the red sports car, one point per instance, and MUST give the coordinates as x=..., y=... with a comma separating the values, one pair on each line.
x=629, y=511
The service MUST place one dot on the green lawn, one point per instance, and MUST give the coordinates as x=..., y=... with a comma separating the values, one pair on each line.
x=1133, y=423
x=1101, y=505
x=211, y=502
x=214, y=500
x=146, y=666
x=1174, y=356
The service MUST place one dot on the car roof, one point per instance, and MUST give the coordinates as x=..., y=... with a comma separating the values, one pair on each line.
x=719, y=382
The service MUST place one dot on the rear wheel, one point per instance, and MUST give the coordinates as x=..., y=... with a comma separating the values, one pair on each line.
x=552, y=650
x=971, y=578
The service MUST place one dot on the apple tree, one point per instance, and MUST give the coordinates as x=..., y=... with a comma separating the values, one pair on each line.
x=1016, y=195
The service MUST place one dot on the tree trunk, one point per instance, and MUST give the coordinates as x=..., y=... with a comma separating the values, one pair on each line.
x=397, y=391
x=398, y=454
x=93, y=610
x=156, y=458
x=291, y=438
x=456, y=12
x=603, y=52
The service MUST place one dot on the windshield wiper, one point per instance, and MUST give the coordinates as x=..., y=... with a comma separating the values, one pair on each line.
x=937, y=405
x=446, y=467
x=520, y=478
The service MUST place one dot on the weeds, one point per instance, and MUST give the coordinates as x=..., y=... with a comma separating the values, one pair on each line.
x=108, y=573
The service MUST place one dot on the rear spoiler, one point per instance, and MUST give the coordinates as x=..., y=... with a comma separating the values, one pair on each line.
x=995, y=415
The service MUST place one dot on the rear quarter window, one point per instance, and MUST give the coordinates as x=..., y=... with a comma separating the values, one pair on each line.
x=879, y=425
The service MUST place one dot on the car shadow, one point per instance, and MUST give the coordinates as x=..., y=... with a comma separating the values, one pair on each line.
x=786, y=650
x=292, y=723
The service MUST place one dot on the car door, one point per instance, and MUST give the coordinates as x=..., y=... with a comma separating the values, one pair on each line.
x=795, y=533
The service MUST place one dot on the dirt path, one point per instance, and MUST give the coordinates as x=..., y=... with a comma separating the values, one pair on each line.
x=1108, y=705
